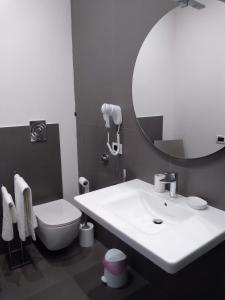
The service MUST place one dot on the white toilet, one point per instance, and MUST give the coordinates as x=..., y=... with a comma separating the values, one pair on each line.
x=58, y=223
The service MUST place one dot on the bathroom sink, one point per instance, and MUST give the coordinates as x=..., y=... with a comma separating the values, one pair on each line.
x=167, y=231
x=144, y=211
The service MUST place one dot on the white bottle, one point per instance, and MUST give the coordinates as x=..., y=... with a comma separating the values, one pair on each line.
x=159, y=186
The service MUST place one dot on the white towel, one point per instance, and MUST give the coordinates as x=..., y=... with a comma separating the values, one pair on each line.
x=9, y=215
x=26, y=219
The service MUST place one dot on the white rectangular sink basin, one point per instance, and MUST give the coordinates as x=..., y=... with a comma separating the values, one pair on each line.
x=171, y=235
x=144, y=211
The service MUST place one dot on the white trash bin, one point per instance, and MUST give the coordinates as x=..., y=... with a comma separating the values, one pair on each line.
x=115, y=268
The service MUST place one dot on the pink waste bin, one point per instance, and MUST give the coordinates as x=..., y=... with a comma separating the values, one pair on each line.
x=115, y=268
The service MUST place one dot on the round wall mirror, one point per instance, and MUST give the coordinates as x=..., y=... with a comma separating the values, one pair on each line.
x=179, y=80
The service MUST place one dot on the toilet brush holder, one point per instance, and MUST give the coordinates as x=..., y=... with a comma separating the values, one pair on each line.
x=86, y=235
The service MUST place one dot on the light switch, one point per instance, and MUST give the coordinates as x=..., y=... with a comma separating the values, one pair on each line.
x=220, y=139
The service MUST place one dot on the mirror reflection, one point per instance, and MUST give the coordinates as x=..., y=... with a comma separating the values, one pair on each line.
x=179, y=80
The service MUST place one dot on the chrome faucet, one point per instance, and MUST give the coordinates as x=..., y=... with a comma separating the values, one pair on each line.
x=171, y=179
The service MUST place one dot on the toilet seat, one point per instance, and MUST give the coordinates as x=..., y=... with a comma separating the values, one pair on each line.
x=57, y=213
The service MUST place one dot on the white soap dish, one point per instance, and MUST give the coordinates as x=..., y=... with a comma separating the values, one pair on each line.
x=197, y=203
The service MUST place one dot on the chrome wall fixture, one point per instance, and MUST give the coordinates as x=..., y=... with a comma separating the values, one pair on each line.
x=192, y=3
x=38, y=131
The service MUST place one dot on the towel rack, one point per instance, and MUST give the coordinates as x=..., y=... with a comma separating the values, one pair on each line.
x=18, y=257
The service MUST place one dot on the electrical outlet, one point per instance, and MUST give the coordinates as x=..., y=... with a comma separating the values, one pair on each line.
x=115, y=147
x=220, y=139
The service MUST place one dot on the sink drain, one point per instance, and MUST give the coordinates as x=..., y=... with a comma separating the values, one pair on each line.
x=157, y=221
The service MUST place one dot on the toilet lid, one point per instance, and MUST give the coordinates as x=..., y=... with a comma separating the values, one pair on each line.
x=56, y=213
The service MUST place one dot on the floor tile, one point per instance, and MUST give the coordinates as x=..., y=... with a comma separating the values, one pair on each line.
x=65, y=290
x=79, y=259
x=90, y=282
x=66, y=275
x=146, y=293
x=33, y=277
x=9, y=293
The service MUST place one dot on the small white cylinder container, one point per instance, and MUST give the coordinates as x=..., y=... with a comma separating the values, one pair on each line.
x=159, y=186
x=86, y=235
x=115, y=281
x=115, y=269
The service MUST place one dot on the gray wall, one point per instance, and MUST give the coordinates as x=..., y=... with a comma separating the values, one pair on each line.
x=38, y=163
x=36, y=73
x=107, y=35
x=152, y=127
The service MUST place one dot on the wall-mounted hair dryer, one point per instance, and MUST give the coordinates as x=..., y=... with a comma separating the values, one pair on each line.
x=113, y=111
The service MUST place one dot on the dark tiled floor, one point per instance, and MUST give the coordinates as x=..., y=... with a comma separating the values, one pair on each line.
x=72, y=274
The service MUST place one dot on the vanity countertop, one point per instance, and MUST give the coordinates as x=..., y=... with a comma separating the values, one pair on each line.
x=171, y=236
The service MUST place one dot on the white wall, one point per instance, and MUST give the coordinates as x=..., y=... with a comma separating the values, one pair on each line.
x=200, y=59
x=154, y=75
x=36, y=73
x=187, y=45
